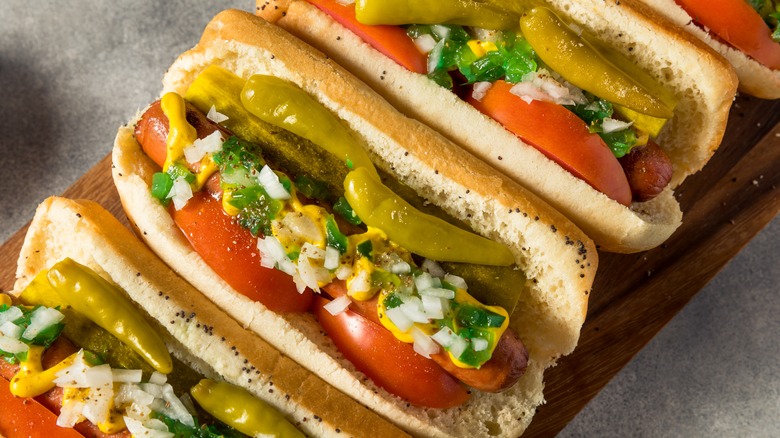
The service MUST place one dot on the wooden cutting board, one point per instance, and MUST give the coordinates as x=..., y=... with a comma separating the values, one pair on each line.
x=634, y=296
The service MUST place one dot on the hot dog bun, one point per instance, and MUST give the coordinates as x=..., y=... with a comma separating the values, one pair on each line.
x=88, y=234
x=558, y=258
x=671, y=56
x=755, y=78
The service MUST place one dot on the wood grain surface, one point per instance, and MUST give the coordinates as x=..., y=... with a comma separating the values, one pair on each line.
x=634, y=296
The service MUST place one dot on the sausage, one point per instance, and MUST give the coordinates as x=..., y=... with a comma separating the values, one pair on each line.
x=648, y=170
x=505, y=367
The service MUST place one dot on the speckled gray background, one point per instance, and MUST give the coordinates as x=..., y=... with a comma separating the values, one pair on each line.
x=72, y=72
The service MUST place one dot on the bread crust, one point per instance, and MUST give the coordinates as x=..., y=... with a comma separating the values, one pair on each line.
x=558, y=258
x=88, y=234
x=755, y=78
x=690, y=138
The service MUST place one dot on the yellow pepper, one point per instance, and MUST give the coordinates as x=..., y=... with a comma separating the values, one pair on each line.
x=104, y=304
x=417, y=232
x=285, y=105
x=584, y=66
x=462, y=12
x=242, y=411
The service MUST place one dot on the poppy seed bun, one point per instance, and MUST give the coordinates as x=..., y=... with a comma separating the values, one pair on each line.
x=702, y=81
x=88, y=234
x=559, y=260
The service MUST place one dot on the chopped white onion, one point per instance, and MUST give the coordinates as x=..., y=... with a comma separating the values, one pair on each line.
x=129, y=393
x=400, y=267
x=153, y=389
x=126, y=376
x=301, y=226
x=270, y=182
x=158, y=378
x=287, y=266
x=41, y=319
x=612, y=125
x=10, y=314
x=307, y=273
x=360, y=283
x=433, y=268
x=399, y=319
x=425, y=43
x=458, y=346
x=215, y=116
x=138, y=429
x=344, y=272
x=479, y=344
x=74, y=375
x=338, y=305
x=271, y=246
x=413, y=308
x=438, y=292
x=171, y=406
x=540, y=85
x=445, y=337
x=300, y=285
x=180, y=193
x=199, y=148
x=312, y=251
x=433, y=306
x=480, y=90
x=97, y=406
x=99, y=376
x=70, y=413
x=423, y=281
x=434, y=56
x=443, y=32
x=13, y=346
x=456, y=281
x=332, y=258
x=423, y=344
x=11, y=330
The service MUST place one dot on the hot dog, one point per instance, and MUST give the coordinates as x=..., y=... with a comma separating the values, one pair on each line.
x=124, y=307
x=407, y=157
x=744, y=32
x=520, y=132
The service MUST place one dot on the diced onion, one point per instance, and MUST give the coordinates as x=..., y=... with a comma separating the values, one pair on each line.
x=99, y=376
x=479, y=344
x=158, y=378
x=307, y=273
x=70, y=413
x=177, y=408
x=127, y=376
x=434, y=56
x=611, y=125
x=425, y=43
x=180, y=193
x=360, y=283
x=540, y=85
x=423, y=281
x=399, y=319
x=443, y=32
x=480, y=90
x=216, y=116
x=139, y=430
x=97, y=406
x=458, y=346
x=445, y=337
x=433, y=307
x=400, y=267
x=153, y=389
x=272, y=247
x=413, y=308
x=344, y=272
x=338, y=305
x=199, y=148
x=332, y=258
x=312, y=251
x=432, y=268
x=438, y=292
x=74, y=375
x=423, y=344
x=11, y=330
x=456, y=281
x=13, y=346
x=10, y=314
x=41, y=319
x=270, y=182
x=129, y=393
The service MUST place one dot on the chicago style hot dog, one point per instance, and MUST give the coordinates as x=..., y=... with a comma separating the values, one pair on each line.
x=351, y=237
x=744, y=32
x=551, y=94
x=113, y=343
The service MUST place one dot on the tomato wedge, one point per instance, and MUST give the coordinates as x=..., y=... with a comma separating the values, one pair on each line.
x=737, y=23
x=231, y=252
x=392, y=41
x=391, y=364
x=560, y=135
x=25, y=417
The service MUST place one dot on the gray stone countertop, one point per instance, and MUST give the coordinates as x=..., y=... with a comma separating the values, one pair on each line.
x=72, y=72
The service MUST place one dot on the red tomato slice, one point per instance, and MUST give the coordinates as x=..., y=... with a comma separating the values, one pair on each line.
x=737, y=23
x=392, y=41
x=231, y=252
x=560, y=135
x=25, y=417
x=390, y=363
